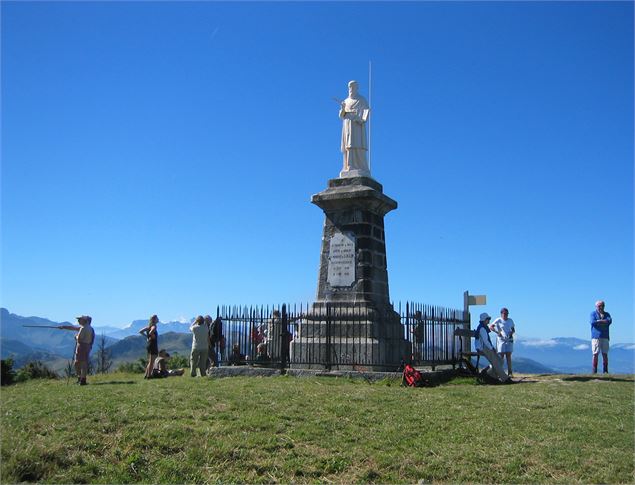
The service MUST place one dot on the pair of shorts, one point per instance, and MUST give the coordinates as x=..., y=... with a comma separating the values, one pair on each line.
x=600, y=345
x=503, y=346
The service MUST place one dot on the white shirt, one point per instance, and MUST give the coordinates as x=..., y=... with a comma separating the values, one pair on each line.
x=200, y=336
x=505, y=328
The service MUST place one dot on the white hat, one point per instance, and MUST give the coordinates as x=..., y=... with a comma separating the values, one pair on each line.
x=484, y=317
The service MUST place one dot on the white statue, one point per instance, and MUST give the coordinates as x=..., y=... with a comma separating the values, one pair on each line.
x=354, y=112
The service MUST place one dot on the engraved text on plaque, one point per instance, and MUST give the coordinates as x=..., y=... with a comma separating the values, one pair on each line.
x=341, y=270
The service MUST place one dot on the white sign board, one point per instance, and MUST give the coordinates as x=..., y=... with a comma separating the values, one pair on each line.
x=341, y=260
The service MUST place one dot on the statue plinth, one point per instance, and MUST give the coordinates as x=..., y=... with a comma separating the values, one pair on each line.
x=353, y=323
x=353, y=173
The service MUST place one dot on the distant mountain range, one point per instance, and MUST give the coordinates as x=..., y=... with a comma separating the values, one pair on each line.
x=568, y=355
x=565, y=355
x=136, y=325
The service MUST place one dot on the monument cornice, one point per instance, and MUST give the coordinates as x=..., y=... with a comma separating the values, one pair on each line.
x=349, y=193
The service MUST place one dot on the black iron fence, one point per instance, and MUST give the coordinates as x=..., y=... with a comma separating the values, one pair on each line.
x=339, y=336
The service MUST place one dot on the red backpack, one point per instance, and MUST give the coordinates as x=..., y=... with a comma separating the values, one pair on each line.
x=412, y=377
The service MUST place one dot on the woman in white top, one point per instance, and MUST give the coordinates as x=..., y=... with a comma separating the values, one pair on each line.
x=504, y=329
x=484, y=347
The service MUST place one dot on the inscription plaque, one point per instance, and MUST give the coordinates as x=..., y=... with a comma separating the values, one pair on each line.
x=341, y=271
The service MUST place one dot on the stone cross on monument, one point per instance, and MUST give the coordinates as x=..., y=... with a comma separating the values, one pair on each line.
x=353, y=271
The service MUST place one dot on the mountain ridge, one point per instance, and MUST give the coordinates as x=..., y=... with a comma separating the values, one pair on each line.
x=548, y=355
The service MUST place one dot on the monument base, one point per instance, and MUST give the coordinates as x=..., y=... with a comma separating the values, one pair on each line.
x=341, y=336
x=352, y=324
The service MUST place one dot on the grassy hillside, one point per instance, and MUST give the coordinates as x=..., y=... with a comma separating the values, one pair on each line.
x=122, y=429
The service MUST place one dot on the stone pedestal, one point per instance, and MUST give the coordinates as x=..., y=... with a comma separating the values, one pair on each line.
x=354, y=209
x=353, y=323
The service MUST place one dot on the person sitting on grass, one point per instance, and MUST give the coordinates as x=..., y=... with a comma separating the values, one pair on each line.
x=236, y=358
x=262, y=357
x=161, y=366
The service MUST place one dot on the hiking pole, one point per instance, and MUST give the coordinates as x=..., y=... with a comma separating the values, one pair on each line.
x=44, y=326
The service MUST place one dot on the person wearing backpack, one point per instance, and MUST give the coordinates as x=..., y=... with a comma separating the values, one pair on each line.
x=484, y=347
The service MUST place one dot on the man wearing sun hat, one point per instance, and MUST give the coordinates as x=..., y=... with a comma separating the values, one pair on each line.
x=485, y=347
x=85, y=338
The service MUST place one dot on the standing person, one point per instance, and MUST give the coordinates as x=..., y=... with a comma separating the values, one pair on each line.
x=274, y=336
x=485, y=347
x=418, y=335
x=85, y=338
x=152, y=345
x=209, y=323
x=504, y=329
x=200, y=346
x=216, y=338
x=600, y=321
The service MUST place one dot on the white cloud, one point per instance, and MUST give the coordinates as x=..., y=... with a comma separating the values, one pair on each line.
x=625, y=346
x=540, y=343
x=581, y=347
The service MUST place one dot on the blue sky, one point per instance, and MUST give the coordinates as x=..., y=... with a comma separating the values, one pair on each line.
x=160, y=157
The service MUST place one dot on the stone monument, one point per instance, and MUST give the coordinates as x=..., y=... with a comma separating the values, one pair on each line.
x=353, y=275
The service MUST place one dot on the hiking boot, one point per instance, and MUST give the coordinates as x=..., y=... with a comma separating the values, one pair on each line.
x=83, y=382
x=595, y=370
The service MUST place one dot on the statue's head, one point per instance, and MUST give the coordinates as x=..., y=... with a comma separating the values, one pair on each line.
x=353, y=87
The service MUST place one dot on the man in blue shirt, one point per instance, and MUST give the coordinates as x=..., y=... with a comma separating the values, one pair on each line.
x=600, y=321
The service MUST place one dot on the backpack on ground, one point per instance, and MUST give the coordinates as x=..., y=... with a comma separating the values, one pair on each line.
x=413, y=378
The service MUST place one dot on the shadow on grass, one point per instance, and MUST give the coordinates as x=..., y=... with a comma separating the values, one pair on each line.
x=465, y=377
x=523, y=380
x=112, y=382
x=598, y=378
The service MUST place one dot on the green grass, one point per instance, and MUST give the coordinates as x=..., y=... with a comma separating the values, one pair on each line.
x=122, y=429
